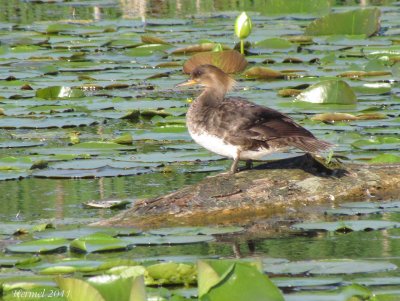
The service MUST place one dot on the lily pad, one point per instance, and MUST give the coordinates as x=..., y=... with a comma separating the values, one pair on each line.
x=328, y=92
x=41, y=246
x=86, y=173
x=347, y=226
x=228, y=280
x=196, y=230
x=361, y=21
x=263, y=73
x=385, y=158
x=57, y=92
x=327, y=267
x=168, y=273
x=306, y=282
x=97, y=242
x=274, y=43
x=167, y=240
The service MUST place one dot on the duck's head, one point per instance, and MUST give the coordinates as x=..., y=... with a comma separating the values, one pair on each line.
x=210, y=77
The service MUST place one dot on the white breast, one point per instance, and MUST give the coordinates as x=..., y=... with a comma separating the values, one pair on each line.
x=218, y=146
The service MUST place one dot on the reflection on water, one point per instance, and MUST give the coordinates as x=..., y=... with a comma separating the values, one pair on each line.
x=32, y=198
x=24, y=12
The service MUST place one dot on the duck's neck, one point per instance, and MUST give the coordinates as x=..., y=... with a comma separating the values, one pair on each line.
x=211, y=96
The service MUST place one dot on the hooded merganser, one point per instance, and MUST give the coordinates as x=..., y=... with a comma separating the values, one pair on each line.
x=236, y=128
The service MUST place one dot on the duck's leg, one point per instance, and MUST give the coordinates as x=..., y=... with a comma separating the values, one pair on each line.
x=249, y=164
x=234, y=165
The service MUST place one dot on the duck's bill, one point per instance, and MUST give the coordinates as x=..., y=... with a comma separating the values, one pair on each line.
x=189, y=82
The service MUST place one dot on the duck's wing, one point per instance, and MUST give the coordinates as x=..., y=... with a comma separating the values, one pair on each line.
x=256, y=126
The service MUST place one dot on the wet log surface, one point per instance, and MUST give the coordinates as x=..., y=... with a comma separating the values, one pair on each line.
x=284, y=190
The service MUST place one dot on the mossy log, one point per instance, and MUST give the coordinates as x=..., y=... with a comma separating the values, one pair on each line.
x=279, y=188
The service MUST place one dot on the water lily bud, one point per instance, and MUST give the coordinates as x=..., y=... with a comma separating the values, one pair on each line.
x=243, y=26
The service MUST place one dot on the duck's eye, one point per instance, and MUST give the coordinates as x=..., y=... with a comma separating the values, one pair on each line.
x=197, y=73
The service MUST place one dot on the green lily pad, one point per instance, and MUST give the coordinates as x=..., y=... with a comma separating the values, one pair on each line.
x=377, y=281
x=98, y=242
x=41, y=246
x=353, y=211
x=79, y=290
x=70, y=265
x=11, y=261
x=85, y=231
x=274, y=43
x=45, y=123
x=19, y=144
x=385, y=158
x=228, y=280
x=86, y=173
x=361, y=21
x=196, y=230
x=346, y=226
x=21, y=228
x=167, y=240
x=381, y=142
x=306, y=282
x=167, y=273
x=57, y=92
x=328, y=92
x=113, y=287
x=327, y=267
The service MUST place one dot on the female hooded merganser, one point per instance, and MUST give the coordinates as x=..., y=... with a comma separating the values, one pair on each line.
x=236, y=128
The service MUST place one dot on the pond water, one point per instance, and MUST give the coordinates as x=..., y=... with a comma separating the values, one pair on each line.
x=88, y=111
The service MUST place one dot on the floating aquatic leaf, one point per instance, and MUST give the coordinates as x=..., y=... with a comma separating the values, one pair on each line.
x=263, y=73
x=329, y=91
x=196, y=230
x=306, y=282
x=353, y=211
x=378, y=142
x=168, y=273
x=357, y=74
x=274, y=43
x=289, y=92
x=44, y=123
x=68, y=266
x=113, y=287
x=167, y=240
x=385, y=158
x=361, y=21
x=331, y=117
x=56, y=92
x=230, y=61
x=147, y=39
x=325, y=267
x=97, y=242
x=346, y=226
x=86, y=173
x=124, y=139
x=197, y=48
x=11, y=261
x=41, y=246
x=21, y=228
x=221, y=280
x=79, y=290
